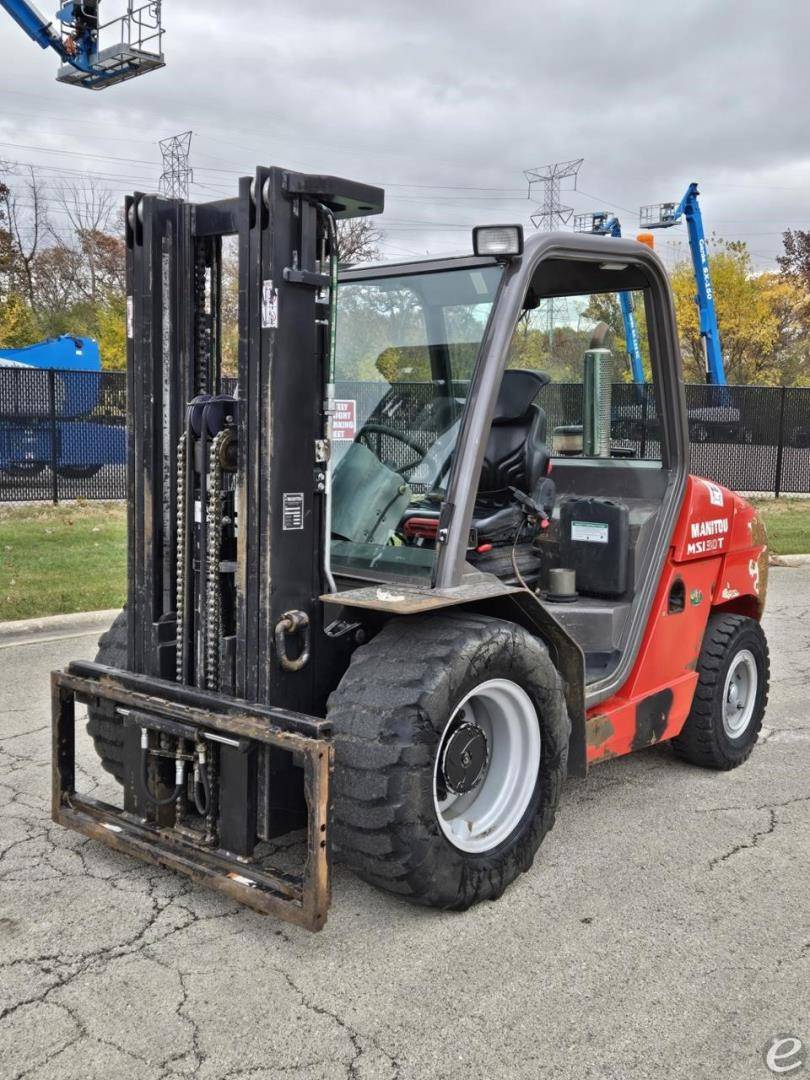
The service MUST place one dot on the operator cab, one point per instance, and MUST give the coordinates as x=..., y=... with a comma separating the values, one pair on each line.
x=574, y=480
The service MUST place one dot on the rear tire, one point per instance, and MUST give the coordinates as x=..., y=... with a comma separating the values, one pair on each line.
x=78, y=472
x=105, y=729
x=732, y=692
x=391, y=716
x=25, y=470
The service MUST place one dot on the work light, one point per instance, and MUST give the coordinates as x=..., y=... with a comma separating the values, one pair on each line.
x=502, y=241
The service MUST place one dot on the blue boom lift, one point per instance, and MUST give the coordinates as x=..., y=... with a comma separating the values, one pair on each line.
x=76, y=34
x=604, y=224
x=664, y=216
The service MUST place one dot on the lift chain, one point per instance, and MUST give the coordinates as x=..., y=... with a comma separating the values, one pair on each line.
x=213, y=528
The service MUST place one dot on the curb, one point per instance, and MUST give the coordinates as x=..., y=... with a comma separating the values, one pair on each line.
x=55, y=627
x=790, y=560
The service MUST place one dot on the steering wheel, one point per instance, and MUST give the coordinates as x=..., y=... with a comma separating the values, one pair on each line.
x=383, y=429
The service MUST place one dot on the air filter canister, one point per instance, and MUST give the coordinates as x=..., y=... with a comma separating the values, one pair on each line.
x=596, y=404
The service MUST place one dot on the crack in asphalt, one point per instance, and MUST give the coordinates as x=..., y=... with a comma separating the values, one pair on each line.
x=753, y=842
x=758, y=835
x=355, y=1037
x=51, y=1056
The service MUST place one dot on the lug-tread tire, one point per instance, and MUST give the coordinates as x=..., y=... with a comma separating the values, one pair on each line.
x=107, y=733
x=388, y=714
x=703, y=740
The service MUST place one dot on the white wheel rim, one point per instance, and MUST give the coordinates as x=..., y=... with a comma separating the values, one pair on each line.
x=740, y=693
x=482, y=818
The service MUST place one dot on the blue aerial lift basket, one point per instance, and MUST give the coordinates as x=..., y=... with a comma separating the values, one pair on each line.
x=96, y=54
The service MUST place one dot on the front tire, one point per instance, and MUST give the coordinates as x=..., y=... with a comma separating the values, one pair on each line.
x=732, y=692
x=421, y=721
x=105, y=728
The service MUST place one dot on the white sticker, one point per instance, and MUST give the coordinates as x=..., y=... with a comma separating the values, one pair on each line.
x=269, y=306
x=344, y=420
x=293, y=511
x=130, y=318
x=715, y=493
x=110, y=827
x=590, y=531
x=479, y=283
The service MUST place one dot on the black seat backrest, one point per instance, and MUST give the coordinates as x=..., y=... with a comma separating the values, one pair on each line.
x=516, y=454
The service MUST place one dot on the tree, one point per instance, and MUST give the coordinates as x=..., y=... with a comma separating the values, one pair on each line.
x=357, y=241
x=90, y=212
x=796, y=260
x=58, y=271
x=759, y=315
x=18, y=325
x=6, y=250
x=111, y=333
x=27, y=227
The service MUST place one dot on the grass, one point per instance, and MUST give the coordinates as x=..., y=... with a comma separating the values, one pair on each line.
x=788, y=524
x=59, y=559
x=72, y=557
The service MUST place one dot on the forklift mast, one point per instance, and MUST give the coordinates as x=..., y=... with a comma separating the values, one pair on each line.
x=251, y=468
x=664, y=216
x=229, y=663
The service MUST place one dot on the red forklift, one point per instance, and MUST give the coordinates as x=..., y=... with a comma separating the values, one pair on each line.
x=384, y=594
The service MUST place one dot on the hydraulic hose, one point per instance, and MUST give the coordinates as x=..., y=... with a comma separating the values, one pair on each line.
x=202, y=784
x=143, y=775
x=331, y=227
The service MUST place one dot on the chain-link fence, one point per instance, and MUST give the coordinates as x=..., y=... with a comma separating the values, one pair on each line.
x=63, y=433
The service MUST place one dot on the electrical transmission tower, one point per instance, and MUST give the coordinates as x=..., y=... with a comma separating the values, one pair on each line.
x=177, y=173
x=551, y=216
x=553, y=213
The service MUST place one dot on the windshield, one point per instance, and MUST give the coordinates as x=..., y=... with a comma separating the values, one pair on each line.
x=406, y=350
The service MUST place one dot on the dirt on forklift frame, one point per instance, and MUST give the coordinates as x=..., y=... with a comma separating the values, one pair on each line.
x=394, y=638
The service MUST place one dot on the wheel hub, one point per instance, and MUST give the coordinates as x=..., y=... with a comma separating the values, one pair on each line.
x=739, y=694
x=464, y=758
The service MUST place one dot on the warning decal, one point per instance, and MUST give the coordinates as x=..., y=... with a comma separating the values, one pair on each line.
x=344, y=420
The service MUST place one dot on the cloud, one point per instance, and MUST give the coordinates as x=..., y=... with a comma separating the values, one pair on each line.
x=447, y=103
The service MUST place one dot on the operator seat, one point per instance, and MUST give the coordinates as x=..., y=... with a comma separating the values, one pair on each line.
x=516, y=456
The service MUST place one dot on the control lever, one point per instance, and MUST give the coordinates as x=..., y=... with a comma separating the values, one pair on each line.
x=532, y=510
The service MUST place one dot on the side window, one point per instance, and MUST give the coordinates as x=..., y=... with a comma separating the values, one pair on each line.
x=595, y=349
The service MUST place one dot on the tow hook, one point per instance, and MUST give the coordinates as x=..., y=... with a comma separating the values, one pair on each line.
x=292, y=622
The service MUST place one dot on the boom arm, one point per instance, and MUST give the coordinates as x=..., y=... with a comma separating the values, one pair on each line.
x=38, y=28
x=689, y=208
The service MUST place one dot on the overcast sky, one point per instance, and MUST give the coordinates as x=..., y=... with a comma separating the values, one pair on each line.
x=447, y=103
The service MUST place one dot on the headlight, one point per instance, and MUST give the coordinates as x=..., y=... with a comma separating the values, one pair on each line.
x=501, y=241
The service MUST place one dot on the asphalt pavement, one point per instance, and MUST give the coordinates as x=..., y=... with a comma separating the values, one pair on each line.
x=664, y=930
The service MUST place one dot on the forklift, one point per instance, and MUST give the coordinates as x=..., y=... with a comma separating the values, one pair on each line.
x=387, y=625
